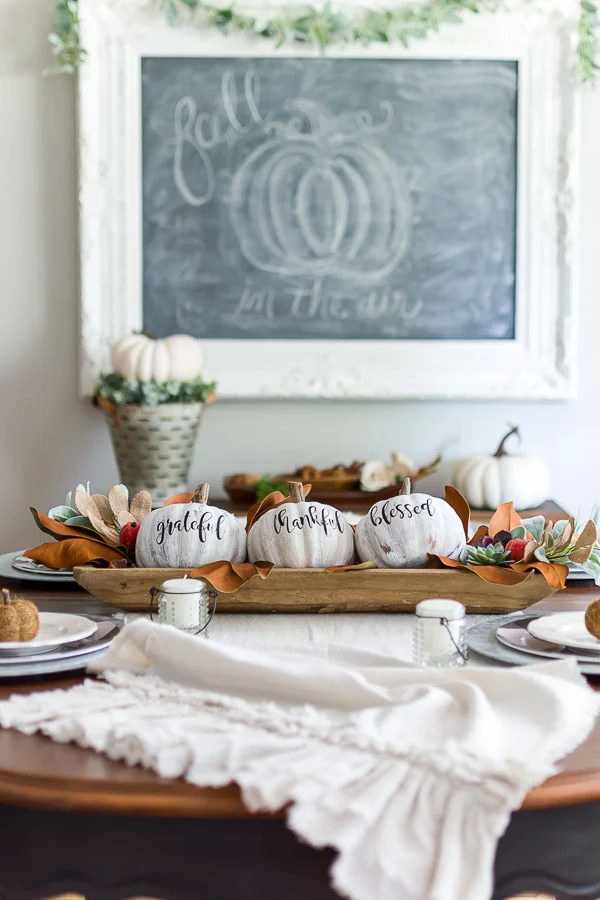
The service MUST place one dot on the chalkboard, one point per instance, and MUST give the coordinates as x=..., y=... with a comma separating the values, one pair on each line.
x=329, y=198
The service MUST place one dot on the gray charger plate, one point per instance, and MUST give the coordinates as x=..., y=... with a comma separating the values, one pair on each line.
x=71, y=659
x=8, y=571
x=482, y=639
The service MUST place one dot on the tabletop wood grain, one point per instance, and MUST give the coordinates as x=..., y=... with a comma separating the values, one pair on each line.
x=36, y=772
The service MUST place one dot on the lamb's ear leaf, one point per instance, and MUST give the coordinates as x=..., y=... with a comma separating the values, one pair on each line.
x=455, y=499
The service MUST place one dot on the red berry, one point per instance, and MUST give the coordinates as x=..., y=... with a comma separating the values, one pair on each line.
x=129, y=534
x=516, y=548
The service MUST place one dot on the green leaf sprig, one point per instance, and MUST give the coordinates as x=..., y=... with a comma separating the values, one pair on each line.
x=119, y=391
x=322, y=26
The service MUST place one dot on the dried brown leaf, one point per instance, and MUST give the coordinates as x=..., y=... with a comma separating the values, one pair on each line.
x=74, y=552
x=104, y=508
x=587, y=537
x=141, y=505
x=459, y=504
x=554, y=573
x=59, y=531
x=86, y=505
x=118, y=497
x=504, y=519
x=581, y=555
x=227, y=577
x=564, y=539
x=124, y=518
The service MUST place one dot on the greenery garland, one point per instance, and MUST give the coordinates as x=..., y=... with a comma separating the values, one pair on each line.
x=323, y=26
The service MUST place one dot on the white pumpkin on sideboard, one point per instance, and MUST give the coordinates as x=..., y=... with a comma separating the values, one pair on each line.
x=189, y=535
x=139, y=357
x=487, y=481
x=400, y=532
x=302, y=535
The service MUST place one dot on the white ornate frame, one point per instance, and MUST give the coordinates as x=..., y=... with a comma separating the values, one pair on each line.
x=539, y=363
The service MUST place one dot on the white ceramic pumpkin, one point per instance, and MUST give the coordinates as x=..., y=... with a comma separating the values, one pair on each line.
x=302, y=535
x=487, y=481
x=188, y=535
x=142, y=358
x=399, y=533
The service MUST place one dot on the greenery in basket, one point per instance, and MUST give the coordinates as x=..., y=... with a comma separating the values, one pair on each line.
x=118, y=391
x=267, y=485
x=324, y=25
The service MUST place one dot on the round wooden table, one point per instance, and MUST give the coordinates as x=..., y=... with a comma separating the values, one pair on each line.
x=72, y=820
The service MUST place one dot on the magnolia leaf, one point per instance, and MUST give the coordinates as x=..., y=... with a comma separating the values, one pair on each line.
x=179, y=498
x=74, y=552
x=141, y=505
x=555, y=575
x=273, y=501
x=61, y=531
x=459, y=504
x=480, y=533
x=504, y=519
x=227, y=577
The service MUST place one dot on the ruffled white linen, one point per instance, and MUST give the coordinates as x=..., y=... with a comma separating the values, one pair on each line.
x=411, y=774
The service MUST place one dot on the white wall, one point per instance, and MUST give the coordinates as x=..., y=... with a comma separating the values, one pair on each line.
x=50, y=439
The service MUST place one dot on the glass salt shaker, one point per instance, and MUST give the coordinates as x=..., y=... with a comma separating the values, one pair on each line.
x=439, y=635
x=186, y=604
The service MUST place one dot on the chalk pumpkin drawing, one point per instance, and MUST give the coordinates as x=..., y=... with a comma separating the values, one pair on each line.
x=329, y=198
x=399, y=533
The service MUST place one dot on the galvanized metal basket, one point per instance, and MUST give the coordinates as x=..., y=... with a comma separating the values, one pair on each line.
x=154, y=446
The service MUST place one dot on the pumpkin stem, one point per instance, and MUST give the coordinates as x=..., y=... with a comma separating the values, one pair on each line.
x=201, y=493
x=406, y=487
x=501, y=451
x=296, y=489
x=5, y=597
x=148, y=334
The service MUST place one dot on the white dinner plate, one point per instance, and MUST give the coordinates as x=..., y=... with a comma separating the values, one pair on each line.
x=56, y=629
x=566, y=629
x=516, y=636
x=23, y=564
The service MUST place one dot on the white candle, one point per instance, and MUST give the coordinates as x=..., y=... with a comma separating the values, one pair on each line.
x=180, y=601
x=435, y=644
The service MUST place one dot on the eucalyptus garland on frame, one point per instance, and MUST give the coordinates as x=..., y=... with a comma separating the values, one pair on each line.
x=322, y=26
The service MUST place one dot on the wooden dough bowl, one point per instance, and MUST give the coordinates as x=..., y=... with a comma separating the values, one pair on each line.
x=314, y=590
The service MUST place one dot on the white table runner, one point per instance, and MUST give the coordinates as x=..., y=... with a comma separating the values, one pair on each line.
x=411, y=774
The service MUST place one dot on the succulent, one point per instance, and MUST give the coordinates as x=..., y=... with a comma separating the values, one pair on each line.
x=492, y=554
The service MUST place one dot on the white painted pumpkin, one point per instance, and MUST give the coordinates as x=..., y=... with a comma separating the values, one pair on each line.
x=188, y=535
x=302, y=535
x=138, y=357
x=487, y=481
x=400, y=532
